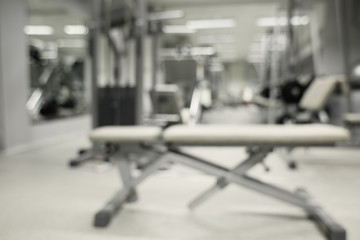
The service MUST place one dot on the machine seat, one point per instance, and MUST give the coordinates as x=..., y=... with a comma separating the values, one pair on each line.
x=352, y=118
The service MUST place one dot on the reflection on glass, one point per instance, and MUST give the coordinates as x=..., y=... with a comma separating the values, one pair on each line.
x=57, y=50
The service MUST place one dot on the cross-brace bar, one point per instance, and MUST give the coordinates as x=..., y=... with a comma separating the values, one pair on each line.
x=329, y=227
x=254, y=158
x=238, y=176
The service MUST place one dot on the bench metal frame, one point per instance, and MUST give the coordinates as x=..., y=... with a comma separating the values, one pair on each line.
x=238, y=175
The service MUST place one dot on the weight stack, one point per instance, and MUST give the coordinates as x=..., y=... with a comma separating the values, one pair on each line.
x=116, y=106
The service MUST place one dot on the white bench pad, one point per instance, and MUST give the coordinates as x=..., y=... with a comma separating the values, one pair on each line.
x=309, y=134
x=126, y=134
x=352, y=118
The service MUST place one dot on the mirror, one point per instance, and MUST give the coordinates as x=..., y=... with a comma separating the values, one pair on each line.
x=57, y=55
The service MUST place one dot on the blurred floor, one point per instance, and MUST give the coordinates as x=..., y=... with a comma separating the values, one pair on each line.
x=41, y=198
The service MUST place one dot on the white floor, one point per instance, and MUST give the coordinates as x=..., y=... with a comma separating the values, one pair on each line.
x=41, y=198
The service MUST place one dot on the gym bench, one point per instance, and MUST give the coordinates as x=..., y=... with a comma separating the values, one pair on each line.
x=260, y=140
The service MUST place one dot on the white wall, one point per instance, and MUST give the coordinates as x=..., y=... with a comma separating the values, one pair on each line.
x=14, y=73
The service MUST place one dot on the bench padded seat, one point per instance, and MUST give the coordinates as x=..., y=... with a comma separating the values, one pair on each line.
x=277, y=135
x=352, y=118
x=299, y=135
x=126, y=134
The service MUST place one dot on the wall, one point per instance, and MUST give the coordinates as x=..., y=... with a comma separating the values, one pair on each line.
x=2, y=124
x=14, y=73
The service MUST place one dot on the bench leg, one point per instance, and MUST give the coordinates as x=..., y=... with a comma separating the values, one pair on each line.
x=128, y=194
x=83, y=157
x=104, y=216
x=330, y=228
x=300, y=198
x=127, y=179
x=221, y=183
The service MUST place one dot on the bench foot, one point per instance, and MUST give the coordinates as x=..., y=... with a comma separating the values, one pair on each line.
x=328, y=226
x=132, y=197
x=292, y=164
x=102, y=218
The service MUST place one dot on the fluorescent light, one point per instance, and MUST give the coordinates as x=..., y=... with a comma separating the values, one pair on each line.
x=76, y=30
x=268, y=22
x=38, y=30
x=203, y=51
x=305, y=20
x=211, y=23
x=177, y=29
x=167, y=15
x=282, y=21
x=71, y=43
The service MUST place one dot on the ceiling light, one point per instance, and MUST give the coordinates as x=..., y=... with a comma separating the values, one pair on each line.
x=71, y=43
x=177, y=29
x=211, y=23
x=267, y=22
x=166, y=15
x=76, y=30
x=203, y=51
x=305, y=20
x=38, y=30
x=282, y=21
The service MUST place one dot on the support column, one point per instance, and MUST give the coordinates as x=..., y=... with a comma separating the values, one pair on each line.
x=14, y=74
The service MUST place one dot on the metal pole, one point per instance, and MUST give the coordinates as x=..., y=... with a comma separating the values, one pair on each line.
x=340, y=6
x=315, y=40
x=94, y=49
x=155, y=63
x=274, y=78
x=290, y=37
x=155, y=55
x=141, y=27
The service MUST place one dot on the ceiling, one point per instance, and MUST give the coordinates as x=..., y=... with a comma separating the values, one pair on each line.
x=234, y=43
